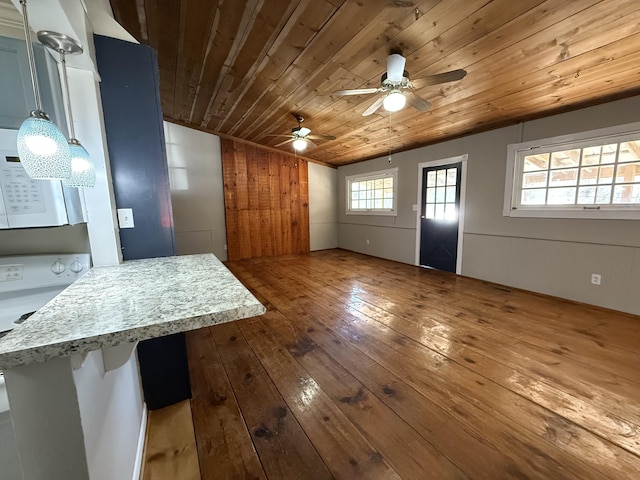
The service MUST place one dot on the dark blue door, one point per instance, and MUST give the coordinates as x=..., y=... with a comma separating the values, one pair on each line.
x=439, y=216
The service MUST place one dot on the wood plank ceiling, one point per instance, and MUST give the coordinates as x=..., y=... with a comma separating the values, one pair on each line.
x=240, y=68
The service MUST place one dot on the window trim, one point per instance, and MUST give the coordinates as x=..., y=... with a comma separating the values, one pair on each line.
x=601, y=136
x=373, y=176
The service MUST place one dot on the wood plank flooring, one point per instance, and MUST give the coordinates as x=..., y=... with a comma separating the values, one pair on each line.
x=170, y=448
x=364, y=368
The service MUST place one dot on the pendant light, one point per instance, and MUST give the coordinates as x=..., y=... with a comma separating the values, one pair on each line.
x=42, y=148
x=83, y=171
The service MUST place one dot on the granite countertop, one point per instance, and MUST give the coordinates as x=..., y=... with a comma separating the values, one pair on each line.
x=136, y=300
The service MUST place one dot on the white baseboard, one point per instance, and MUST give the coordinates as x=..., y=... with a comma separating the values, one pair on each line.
x=137, y=467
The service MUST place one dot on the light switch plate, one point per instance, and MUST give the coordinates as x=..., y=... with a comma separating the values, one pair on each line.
x=125, y=218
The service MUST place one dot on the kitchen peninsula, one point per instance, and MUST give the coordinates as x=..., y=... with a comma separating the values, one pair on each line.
x=106, y=311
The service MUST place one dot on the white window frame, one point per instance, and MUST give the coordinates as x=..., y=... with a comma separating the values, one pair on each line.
x=373, y=176
x=513, y=178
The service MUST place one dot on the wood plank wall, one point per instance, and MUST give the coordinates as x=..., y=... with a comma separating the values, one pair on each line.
x=266, y=196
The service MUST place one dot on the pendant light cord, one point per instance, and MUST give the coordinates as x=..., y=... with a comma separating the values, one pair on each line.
x=65, y=92
x=32, y=63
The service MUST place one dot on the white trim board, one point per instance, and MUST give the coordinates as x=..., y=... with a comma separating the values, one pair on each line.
x=138, y=464
x=463, y=187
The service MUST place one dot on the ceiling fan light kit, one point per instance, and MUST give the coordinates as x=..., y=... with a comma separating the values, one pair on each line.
x=395, y=101
x=299, y=144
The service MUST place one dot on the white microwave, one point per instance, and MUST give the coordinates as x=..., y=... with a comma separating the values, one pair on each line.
x=32, y=203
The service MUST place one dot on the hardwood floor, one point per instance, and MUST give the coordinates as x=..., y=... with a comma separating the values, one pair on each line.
x=170, y=448
x=364, y=368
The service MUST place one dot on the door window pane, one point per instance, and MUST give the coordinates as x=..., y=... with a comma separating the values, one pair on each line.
x=450, y=212
x=439, y=211
x=440, y=195
x=430, y=211
x=441, y=178
x=431, y=195
x=451, y=195
x=431, y=179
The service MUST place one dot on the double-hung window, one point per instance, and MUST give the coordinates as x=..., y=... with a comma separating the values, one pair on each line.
x=590, y=175
x=372, y=193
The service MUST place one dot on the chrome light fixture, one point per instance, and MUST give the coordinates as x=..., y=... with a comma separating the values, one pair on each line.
x=42, y=148
x=299, y=144
x=394, y=101
x=83, y=170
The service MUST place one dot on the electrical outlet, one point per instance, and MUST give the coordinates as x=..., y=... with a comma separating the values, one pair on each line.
x=368, y=242
x=125, y=218
x=596, y=279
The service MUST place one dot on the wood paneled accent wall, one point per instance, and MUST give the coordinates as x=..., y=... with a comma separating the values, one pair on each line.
x=266, y=196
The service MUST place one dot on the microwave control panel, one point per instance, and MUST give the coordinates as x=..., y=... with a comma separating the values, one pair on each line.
x=21, y=195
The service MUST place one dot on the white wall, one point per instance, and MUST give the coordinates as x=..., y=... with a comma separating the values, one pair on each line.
x=111, y=410
x=197, y=190
x=552, y=256
x=323, y=207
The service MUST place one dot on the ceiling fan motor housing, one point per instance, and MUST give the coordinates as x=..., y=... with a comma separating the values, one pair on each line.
x=388, y=84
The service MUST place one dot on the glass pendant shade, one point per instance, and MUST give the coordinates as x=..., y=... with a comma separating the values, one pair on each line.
x=83, y=170
x=43, y=149
x=394, y=101
x=299, y=144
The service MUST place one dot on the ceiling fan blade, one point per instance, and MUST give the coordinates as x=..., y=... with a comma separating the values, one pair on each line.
x=303, y=132
x=374, y=106
x=285, y=142
x=417, y=102
x=395, y=67
x=356, y=91
x=276, y=135
x=445, y=77
x=321, y=137
x=310, y=142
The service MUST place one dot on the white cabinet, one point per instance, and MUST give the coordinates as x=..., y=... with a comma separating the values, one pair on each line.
x=16, y=92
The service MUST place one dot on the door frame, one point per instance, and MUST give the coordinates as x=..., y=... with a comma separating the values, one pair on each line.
x=463, y=187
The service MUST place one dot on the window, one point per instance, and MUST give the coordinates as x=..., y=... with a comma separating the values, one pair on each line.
x=373, y=193
x=591, y=175
x=440, y=195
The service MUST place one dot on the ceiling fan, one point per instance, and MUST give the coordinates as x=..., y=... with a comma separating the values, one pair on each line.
x=301, y=137
x=399, y=89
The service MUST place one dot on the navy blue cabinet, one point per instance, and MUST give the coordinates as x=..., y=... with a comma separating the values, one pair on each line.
x=137, y=153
